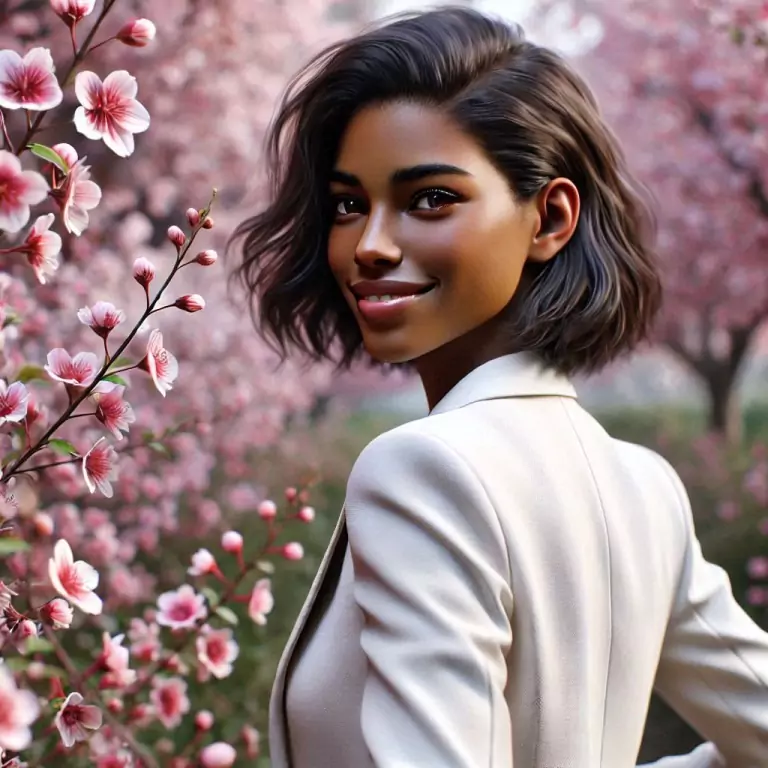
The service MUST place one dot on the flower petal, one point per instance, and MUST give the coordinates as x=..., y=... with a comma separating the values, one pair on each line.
x=121, y=84
x=87, y=88
x=84, y=125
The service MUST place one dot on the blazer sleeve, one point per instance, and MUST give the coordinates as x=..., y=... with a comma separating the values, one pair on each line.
x=431, y=577
x=714, y=662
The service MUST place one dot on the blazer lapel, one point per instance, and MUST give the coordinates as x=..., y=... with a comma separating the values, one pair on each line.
x=278, y=746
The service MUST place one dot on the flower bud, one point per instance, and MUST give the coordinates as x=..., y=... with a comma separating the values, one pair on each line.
x=192, y=302
x=306, y=514
x=137, y=33
x=143, y=271
x=115, y=706
x=36, y=670
x=193, y=217
x=43, y=523
x=24, y=630
x=204, y=720
x=251, y=737
x=208, y=223
x=232, y=542
x=293, y=551
x=206, y=258
x=58, y=613
x=218, y=755
x=291, y=494
x=176, y=236
x=267, y=510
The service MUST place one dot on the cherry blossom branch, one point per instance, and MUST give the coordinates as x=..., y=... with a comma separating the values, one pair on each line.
x=4, y=128
x=82, y=685
x=77, y=60
x=182, y=252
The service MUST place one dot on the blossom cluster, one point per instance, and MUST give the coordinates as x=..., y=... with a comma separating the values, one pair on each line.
x=81, y=492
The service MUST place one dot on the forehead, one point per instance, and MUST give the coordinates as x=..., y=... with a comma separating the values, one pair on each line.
x=384, y=137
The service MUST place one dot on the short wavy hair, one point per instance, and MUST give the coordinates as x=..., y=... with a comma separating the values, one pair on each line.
x=535, y=118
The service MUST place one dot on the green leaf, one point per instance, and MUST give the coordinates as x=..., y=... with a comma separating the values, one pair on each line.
x=29, y=372
x=227, y=614
x=37, y=645
x=121, y=361
x=265, y=566
x=62, y=446
x=9, y=546
x=46, y=153
x=158, y=448
x=211, y=596
x=115, y=379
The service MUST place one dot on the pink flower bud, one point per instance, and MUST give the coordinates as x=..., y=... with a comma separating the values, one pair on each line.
x=232, y=542
x=58, y=613
x=306, y=514
x=192, y=302
x=137, y=33
x=291, y=494
x=193, y=217
x=251, y=737
x=115, y=706
x=204, y=720
x=25, y=629
x=218, y=755
x=66, y=152
x=293, y=551
x=206, y=258
x=143, y=271
x=176, y=236
x=43, y=523
x=208, y=223
x=267, y=510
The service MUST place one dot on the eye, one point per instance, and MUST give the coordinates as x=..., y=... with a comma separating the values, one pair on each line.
x=433, y=199
x=346, y=205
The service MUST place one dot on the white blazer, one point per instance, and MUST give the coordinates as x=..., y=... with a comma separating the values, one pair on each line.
x=505, y=587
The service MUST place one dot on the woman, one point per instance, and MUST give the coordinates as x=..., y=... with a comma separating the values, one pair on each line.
x=507, y=584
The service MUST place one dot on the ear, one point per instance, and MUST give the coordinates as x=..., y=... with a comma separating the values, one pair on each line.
x=557, y=208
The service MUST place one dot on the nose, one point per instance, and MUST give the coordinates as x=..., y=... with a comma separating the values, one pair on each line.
x=376, y=246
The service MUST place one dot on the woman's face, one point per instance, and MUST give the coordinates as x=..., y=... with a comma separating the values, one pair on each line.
x=428, y=242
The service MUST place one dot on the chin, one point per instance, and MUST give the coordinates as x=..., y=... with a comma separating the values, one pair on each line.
x=391, y=354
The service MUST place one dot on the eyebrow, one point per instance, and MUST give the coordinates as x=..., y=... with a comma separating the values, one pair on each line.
x=404, y=175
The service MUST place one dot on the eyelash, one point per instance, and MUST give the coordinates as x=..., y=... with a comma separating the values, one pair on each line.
x=452, y=197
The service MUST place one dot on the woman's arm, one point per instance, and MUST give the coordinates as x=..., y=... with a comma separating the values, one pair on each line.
x=714, y=663
x=432, y=581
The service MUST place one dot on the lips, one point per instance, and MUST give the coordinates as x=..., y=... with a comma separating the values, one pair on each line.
x=378, y=290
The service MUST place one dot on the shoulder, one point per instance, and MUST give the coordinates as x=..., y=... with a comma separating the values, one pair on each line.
x=413, y=475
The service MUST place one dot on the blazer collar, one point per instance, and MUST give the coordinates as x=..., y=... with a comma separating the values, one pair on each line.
x=517, y=375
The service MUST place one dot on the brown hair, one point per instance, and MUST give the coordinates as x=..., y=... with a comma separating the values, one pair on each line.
x=535, y=118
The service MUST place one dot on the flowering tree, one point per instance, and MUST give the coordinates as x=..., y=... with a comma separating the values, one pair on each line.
x=683, y=85
x=89, y=471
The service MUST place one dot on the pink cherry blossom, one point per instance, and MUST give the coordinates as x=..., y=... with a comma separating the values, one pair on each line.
x=75, y=719
x=115, y=659
x=192, y=302
x=203, y=562
x=207, y=258
x=109, y=110
x=176, y=236
x=111, y=409
x=76, y=196
x=72, y=11
x=42, y=248
x=306, y=514
x=216, y=650
x=261, y=602
x=218, y=755
x=100, y=467
x=137, y=33
x=232, y=542
x=14, y=400
x=80, y=370
x=75, y=581
x=160, y=363
x=169, y=697
x=18, y=710
x=18, y=190
x=143, y=271
x=204, y=720
x=102, y=317
x=28, y=83
x=757, y=567
x=180, y=609
x=58, y=613
x=66, y=152
x=145, y=640
x=293, y=551
x=267, y=510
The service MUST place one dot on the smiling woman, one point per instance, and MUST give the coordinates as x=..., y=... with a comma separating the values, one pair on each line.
x=506, y=584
